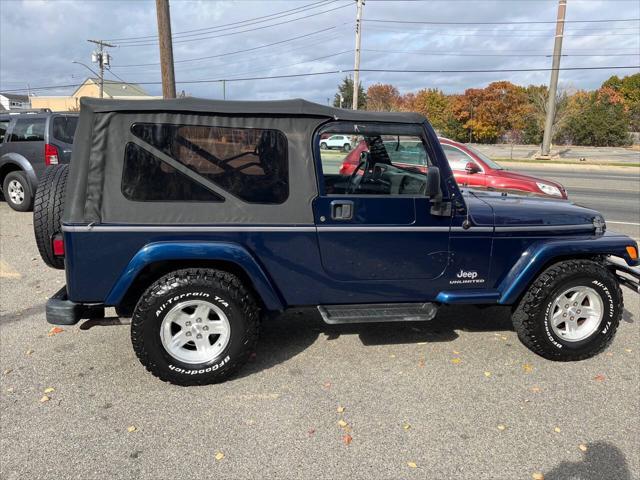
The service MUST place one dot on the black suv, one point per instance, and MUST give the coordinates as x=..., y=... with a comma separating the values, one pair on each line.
x=29, y=142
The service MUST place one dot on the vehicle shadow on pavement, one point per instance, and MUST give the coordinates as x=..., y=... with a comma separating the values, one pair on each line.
x=285, y=336
x=601, y=460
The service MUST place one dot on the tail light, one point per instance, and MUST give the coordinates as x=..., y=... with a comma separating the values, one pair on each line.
x=50, y=154
x=57, y=244
x=349, y=164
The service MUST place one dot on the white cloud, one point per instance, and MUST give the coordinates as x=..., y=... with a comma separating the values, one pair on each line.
x=38, y=41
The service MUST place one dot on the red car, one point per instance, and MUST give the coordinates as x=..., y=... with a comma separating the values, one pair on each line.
x=473, y=169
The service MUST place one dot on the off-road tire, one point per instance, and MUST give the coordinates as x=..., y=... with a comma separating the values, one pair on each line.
x=22, y=179
x=530, y=317
x=231, y=296
x=47, y=211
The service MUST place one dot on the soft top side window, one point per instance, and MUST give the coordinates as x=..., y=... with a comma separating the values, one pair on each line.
x=385, y=159
x=250, y=163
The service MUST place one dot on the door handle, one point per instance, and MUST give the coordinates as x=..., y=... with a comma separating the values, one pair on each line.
x=342, y=210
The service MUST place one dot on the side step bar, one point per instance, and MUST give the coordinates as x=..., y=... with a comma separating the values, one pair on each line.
x=378, y=312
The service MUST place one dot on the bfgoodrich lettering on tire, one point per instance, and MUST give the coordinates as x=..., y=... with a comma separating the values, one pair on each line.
x=570, y=312
x=195, y=326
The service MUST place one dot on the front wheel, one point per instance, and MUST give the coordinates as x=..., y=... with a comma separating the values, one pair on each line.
x=346, y=147
x=323, y=146
x=570, y=312
x=195, y=326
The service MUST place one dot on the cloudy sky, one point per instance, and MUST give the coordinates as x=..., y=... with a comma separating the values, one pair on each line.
x=249, y=38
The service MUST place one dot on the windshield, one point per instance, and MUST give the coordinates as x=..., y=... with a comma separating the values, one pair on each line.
x=486, y=159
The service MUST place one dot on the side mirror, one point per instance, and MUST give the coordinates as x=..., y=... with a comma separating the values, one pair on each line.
x=471, y=168
x=433, y=183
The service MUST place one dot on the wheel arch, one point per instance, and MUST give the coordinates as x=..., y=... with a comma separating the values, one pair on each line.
x=541, y=255
x=12, y=162
x=157, y=259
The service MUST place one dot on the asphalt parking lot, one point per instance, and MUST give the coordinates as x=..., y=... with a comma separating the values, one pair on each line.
x=458, y=397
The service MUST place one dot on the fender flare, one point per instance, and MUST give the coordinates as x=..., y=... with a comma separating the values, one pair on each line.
x=230, y=252
x=22, y=163
x=540, y=254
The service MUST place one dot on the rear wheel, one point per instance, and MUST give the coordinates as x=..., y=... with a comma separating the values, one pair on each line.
x=17, y=191
x=195, y=326
x=571, y=312
x=47, y=212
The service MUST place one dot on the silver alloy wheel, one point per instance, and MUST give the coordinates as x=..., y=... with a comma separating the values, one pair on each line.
x=195, y=331
x=576, y=313
x=16, y=192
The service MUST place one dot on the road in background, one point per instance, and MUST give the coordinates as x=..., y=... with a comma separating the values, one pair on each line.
x=613, y=192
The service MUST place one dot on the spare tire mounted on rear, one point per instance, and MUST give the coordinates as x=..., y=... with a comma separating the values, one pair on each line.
x=47, y=212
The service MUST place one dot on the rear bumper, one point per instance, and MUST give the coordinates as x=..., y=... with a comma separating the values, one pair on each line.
x=627, y=276
x=62, y=311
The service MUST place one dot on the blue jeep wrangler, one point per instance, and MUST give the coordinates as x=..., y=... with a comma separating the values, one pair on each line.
x=197, y=218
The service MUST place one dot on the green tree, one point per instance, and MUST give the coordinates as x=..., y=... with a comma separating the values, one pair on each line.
x=629, y=89
x=596, y=119
x=346, y=90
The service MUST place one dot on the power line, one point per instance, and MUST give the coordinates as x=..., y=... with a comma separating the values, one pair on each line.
x=457, y=54
x=237, y=51
x=522, y=22
x=238, y=32
x=294, y=10
x=371, y=70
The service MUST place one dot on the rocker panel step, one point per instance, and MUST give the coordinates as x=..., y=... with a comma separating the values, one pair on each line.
x=378, y=312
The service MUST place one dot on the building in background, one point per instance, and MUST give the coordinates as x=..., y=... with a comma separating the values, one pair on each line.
x=91, y=88
x=11, y=101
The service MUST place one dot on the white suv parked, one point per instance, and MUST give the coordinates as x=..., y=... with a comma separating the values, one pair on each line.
x=341, y=142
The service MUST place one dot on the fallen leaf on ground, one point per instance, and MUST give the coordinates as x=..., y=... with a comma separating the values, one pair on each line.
x=599, y=378
x=10, y=389
x=455, y=352
x=326, y=385
x=537, y=476
x=49, y=390
x=557, y=430
x=501, y=427
x=219, y=456
x=54, y=331
x=29, y=352
x=340, y=409
x=535, y=389
x=582, y=447
x=502, y=337
x=455, y=361
x=421, y=363
x=45, y=398
x=422, y=343
x=526, y=368
x=346, y=439
x=406, y=426
x=7, y=371
x=628, y=350
x=131, y=429
x=609, y=354
x=392, y=356
x=311, y=431
x=342, y=423
x=412, y=465
x=487, y=374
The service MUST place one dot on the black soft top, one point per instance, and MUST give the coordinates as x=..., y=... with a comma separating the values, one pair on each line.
x=94, y=191
x=296, y=108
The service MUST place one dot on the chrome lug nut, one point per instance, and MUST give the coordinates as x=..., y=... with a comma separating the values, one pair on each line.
x=205, y=328
x=188, y=324
x=188, y=334
x=199, y=336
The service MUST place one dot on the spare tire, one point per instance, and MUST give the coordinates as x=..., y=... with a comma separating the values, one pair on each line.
x=47, y=212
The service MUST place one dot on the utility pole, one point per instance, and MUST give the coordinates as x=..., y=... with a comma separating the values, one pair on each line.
x=356, y=68
x=166, y=49
x=102, y=59
x=224, y=89
x=553, y=84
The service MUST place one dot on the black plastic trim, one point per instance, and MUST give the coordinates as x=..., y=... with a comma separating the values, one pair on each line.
x=62, y=311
